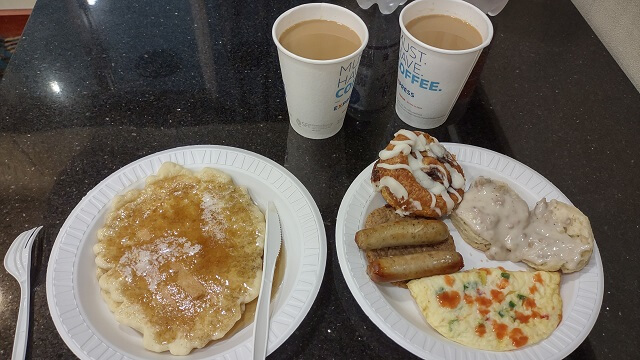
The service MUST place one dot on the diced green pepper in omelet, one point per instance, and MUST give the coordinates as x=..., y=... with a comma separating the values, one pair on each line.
x=491, y=309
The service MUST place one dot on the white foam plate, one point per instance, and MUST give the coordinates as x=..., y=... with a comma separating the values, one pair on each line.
x=82, y=317
x=394, y=311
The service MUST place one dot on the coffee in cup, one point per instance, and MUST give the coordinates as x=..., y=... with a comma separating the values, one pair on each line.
x=320, y=39
x=444, y=32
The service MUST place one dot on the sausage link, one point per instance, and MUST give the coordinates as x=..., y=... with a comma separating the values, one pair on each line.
x=401, y=233
x=414, y=266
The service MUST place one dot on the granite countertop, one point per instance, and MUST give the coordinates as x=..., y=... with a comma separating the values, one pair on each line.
x=96, y=85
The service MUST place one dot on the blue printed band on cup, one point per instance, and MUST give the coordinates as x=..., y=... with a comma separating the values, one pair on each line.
x=346, y=81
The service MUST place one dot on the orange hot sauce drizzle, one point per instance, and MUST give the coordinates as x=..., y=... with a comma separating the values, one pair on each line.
x=500, y=330
x=497, y=296
x=468, y=299
x=481, y=330
x=518, y=338
x=503, y=284
x=537, y=278
x=522, y=317
x=449, y=280
x=449, y=299
x=529, y=303
x=483, y=301
x=537, y=315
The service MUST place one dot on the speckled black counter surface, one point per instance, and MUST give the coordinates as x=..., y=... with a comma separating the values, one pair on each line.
x=94, y=87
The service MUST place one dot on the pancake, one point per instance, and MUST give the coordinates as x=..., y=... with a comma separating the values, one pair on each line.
x=178, y=259
x=491, y=309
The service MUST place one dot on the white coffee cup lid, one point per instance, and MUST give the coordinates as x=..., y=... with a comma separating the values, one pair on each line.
x=490, y=7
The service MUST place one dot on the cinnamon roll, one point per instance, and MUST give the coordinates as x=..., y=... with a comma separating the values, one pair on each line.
x=417, y=176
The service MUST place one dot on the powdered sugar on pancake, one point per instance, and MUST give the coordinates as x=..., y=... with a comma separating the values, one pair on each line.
x=147, y=259
x=211, y=215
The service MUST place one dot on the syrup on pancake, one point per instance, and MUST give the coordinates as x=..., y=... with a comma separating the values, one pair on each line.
x=178, y=259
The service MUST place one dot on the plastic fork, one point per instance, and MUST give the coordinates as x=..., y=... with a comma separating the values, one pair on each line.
x=17, y=261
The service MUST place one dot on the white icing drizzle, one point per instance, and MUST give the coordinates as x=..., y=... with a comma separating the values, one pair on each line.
x=402, y=212
x=454, y=192
x=399, y=147
x=433, y=204
x=394, y=166
x=413, y=147
x=457, y=180
x=437, y=149
x=408, y=133
x=395, y=187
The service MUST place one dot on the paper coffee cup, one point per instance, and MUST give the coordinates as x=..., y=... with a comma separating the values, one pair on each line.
x=430, y=79
x=318, y=91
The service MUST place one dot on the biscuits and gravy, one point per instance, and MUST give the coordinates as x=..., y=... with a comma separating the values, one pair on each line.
x=178, y=259
x=553, y=236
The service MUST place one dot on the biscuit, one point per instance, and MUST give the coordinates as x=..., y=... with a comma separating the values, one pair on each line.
x=576, y=225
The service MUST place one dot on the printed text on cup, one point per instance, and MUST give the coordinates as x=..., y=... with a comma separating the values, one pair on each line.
x=411, y=67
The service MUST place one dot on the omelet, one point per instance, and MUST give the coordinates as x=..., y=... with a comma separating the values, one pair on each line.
x=491, y=309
